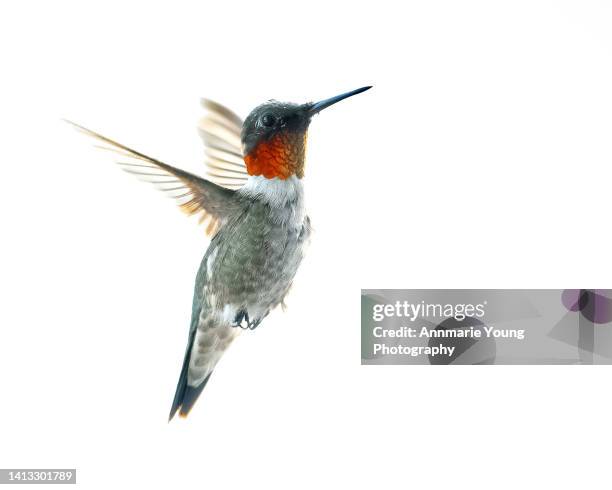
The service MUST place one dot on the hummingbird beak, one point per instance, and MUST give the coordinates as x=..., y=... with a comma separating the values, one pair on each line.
x=319, y=106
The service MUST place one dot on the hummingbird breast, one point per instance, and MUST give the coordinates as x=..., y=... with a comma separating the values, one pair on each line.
x=250, y=265
x=257, y=254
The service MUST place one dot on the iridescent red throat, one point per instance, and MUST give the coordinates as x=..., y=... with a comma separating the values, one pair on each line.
x=280, y=156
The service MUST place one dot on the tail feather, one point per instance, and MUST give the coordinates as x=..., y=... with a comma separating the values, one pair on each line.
x=190, y=396
x=213, y=342
x=185, y=395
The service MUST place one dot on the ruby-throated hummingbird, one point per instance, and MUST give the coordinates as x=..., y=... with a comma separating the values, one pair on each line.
x=253, y=205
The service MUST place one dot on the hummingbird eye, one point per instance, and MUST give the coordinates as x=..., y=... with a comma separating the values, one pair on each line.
x=268, y=120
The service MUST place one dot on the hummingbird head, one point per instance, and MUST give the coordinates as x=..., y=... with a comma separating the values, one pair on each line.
x=274, y=136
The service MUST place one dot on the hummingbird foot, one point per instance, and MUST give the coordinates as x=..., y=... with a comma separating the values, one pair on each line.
x=243, y=321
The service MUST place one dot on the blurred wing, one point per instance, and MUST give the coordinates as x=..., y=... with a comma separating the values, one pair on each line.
x=220, y=130
x=195, y=195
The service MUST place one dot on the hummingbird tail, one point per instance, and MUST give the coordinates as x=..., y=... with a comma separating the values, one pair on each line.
x=189, y=395
x=186, y=395
x=205, y=347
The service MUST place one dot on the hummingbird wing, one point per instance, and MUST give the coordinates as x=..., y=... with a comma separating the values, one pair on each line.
x=195, y=195
x=220, y=131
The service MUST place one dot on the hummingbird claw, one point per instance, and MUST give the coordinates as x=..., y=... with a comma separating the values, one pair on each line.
x=253, y=325
x=243, y=321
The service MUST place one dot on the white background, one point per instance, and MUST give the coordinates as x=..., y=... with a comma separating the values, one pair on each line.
x=481, y=158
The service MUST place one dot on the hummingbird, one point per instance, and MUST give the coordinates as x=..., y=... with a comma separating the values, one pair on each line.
x=252, y=204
